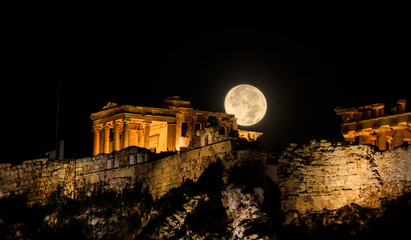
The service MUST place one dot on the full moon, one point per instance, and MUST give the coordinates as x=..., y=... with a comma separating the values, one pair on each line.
x=247, y=103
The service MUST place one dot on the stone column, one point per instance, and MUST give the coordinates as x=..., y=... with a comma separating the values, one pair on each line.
x=132, y=135
x=96, y=140
x=171, y=136
x=126, y=132
x=235, y=125
x=140, y=135
x=147, y=135
x=398, y=136
x=106, y=138
x=401, y=105
x=178, y=130
x=363, y=139
x=116, y=136
x=389, y=135
x=381, y=141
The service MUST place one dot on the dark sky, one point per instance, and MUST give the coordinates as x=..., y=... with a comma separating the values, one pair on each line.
x=305, y=64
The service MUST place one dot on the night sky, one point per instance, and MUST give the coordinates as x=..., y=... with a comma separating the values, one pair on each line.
x=306, y=64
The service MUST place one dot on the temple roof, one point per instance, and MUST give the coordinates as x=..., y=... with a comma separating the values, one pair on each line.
x=173, y=105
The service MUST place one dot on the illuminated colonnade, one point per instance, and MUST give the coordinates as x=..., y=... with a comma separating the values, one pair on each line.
x=119, y=134
x=171, y=128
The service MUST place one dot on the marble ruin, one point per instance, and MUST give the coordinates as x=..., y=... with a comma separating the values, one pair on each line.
x=170, y=128
x=312, y=177
x=380, y=125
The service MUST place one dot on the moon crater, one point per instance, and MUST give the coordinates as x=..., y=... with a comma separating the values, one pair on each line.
x=247, y=103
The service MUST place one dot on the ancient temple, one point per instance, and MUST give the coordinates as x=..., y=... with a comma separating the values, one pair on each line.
x=382, y=125
x=170, y=128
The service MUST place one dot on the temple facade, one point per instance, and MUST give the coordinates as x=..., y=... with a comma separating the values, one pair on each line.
x=382, y=125
x=170, y=128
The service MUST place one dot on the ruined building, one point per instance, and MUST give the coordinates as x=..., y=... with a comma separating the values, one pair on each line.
x=124, y=135
x=170, y=128
x=378, y=124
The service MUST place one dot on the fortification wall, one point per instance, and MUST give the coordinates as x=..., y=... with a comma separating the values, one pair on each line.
x=162, y=175
x=37, y=179
x=321, y=176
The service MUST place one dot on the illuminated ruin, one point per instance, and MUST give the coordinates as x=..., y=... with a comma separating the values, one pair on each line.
x=380, y=125
x=170, y=128
x=312, y=179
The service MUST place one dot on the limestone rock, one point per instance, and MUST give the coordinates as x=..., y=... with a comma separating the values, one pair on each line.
x=322, y=176
x=244, y=210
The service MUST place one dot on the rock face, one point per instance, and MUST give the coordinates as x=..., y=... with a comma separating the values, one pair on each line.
x=321, y=176
x=174, y=222
x=218, y=205
x=245, y=210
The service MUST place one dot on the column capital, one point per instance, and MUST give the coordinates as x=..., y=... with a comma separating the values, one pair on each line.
x=146, y=124
x=97, y=127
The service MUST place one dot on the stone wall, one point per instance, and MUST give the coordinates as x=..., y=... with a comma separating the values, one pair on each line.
x=38, y=178
x=208, y=136
x=78, y=178
x=320, y=176
x=162, y=175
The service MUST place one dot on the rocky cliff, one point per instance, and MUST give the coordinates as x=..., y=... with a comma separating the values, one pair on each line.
x=222, y=191
x=321, y=181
